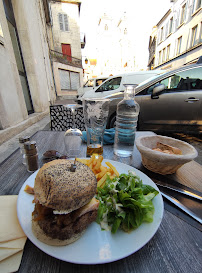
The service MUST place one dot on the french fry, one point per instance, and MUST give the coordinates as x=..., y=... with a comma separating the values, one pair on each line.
x=101, y=174
x=100, y=171
x=84, y=161
x=102, y=180
x=112, y=167
x=98, y=163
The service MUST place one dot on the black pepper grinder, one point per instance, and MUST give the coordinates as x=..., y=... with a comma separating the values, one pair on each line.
x=22, y=140
x=31, y=156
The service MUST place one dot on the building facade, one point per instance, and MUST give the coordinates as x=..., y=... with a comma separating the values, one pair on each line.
x=66, y=47
x=113, y=48
x=35, y=64
x=177, y=38
x=27, y=86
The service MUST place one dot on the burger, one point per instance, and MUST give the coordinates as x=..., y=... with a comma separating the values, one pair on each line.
x=64, y=202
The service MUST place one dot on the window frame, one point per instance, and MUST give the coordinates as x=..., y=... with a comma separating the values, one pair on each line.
x=161, y=34
x=193, y=35
x=196, y=6
x=171, y=26
x=163, y=55
x=179, y=45
x=168, y=52
x=183, y=14
x=160, y=56
x=65, y=25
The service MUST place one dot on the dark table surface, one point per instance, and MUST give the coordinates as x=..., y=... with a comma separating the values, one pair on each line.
x=176, y=246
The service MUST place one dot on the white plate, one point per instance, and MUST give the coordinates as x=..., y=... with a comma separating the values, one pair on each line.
x=95, y=246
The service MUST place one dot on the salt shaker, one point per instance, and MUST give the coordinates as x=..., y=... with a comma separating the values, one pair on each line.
x=22, y=140
x=31, y=155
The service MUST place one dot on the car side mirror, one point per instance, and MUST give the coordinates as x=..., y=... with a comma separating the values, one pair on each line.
x=158, y=89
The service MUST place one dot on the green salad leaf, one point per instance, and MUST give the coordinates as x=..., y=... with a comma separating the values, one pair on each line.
x=125, y=202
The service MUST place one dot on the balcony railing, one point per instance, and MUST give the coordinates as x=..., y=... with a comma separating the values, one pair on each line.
x=65, y=59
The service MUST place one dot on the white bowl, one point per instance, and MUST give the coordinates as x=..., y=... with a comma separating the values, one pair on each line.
x=160, y=162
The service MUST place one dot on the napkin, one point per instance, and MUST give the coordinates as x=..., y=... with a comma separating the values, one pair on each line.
x=108, y=136
x=12, y=237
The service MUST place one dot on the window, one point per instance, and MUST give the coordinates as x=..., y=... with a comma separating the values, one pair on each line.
x=161, y=35
x=171, y=25
x=69, y=80
x=89, y=83
x=193, y=36
x=159, y=57
x=99, y=81
x=125, y=31
x=63, y=22
x=111, y=84
x=106, y=27
x=179, y=44
x=183, y=81
x=168, y=53
x=182, y=18
x=196, y=5
x=164, y=55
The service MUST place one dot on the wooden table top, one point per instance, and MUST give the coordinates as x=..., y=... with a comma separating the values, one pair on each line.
x=176, y=246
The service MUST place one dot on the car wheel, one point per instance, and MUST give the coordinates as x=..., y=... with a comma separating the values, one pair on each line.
x=112, y=122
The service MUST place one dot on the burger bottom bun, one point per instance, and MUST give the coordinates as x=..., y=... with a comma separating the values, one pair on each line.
x=41, y=236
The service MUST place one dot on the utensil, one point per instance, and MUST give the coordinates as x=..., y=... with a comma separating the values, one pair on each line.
x=181, y=206
x=187, y=192
x=166, y=181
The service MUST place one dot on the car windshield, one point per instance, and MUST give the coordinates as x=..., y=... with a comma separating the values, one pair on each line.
x=111, y=84
x=99, y=81
x=89, y=83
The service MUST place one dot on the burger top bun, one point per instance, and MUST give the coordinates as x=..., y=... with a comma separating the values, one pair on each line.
x=59, y=188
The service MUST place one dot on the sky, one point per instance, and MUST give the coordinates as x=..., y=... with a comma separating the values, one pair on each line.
x=142, y=15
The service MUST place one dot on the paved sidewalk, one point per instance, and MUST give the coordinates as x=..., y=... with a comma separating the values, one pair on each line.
x=8, y=147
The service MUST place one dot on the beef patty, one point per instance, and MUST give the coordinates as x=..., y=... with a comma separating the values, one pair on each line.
x=62, y=226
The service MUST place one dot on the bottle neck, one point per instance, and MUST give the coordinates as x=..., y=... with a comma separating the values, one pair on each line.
x=129, y=92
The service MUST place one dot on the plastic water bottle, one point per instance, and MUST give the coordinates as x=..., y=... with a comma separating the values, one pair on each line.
x=126, y=123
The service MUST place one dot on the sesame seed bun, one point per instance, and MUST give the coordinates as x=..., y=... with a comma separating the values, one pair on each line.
x=59, y=188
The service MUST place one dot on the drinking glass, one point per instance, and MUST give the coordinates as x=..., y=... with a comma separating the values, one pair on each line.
x=72, y=137
x=95, y=116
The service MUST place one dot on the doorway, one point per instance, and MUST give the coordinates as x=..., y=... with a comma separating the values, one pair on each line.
x=18, y=55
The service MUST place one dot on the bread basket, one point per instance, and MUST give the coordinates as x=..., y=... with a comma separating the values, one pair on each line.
x=160, y=162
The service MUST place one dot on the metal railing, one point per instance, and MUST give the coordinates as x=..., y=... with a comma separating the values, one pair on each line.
x=65, y=59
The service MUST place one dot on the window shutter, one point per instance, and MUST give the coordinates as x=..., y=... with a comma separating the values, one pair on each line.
x=65, y=22
x=64, y=79
x=60, y=21
x=75, y=83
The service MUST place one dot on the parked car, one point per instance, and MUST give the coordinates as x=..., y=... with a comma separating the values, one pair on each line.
x=90, y=85
x=116, y=83
x=168, y=102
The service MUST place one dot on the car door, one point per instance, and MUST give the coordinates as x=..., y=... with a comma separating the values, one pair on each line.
x=175, y=107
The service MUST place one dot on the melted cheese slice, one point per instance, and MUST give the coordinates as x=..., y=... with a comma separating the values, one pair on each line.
x=92, y=205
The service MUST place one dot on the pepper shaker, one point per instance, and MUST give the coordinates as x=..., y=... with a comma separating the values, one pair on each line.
x=22, y=140
x=31, y=155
